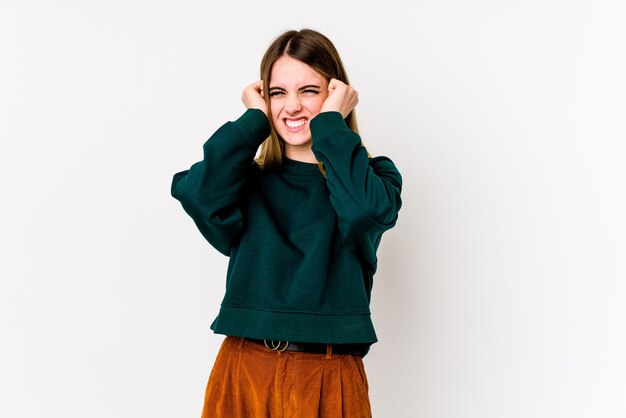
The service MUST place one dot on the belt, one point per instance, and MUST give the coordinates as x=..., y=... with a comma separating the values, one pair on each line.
x=318, y=348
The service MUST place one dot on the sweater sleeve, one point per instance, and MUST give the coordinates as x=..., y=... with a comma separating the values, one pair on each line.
x=365, y=192
x=210, y=190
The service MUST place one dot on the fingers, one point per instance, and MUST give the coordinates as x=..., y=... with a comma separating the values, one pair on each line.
x=341, y=97
x=254, y=88
x=258, y=86
x=253, y=96
x=332, y=85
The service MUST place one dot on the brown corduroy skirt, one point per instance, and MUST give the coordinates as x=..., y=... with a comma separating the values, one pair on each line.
x=250, y=381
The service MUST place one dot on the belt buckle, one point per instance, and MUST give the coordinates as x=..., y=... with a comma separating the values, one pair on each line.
x=276, y=346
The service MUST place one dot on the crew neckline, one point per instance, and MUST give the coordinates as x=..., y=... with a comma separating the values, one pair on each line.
x=299, y=167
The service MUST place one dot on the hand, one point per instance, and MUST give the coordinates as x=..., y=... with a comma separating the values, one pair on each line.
x=253, y=97
x=341, y=98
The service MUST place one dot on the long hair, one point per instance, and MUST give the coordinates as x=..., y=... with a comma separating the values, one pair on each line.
x=318, y=52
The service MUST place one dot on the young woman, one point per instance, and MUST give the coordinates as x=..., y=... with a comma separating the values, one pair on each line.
x=301, y=223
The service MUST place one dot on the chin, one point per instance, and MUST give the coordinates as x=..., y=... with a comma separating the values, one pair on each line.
x=296, y=140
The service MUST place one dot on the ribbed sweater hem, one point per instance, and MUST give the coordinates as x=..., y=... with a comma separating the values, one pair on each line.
x=292, y=326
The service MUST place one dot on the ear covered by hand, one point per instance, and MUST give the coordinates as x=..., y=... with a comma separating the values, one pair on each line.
x=253, y=96
x=341, y=98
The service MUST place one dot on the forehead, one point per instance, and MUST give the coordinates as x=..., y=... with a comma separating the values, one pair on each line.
x=290, y=72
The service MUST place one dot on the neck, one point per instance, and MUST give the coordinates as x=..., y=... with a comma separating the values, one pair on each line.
x=303, y=154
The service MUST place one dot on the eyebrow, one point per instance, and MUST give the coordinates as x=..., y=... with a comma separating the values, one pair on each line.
x=308, y=86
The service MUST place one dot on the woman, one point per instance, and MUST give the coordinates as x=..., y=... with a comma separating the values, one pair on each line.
x=301, y=224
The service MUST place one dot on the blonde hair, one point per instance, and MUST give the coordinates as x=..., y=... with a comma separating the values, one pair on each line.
x=318, y=52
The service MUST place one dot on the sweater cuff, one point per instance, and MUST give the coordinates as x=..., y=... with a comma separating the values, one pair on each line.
x=327, y=123
x=255, y=122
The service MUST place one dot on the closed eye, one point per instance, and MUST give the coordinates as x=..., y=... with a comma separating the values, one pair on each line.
x=308, y=90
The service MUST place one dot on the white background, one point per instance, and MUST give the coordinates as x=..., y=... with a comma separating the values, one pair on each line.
x=500, y=293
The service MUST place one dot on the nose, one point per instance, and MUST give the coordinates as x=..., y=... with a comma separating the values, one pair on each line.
x=292, y=104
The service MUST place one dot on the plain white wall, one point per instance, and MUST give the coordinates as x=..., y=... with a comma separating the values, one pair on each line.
x=499, y=293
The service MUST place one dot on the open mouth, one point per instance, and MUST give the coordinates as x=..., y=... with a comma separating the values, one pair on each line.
x=295, y=124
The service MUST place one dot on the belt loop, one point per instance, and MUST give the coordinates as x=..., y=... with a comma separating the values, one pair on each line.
x=240, y=342
x=329, y=351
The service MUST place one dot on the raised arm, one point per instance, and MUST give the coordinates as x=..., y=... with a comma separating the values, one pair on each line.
x=365, y=192
x=211, y=189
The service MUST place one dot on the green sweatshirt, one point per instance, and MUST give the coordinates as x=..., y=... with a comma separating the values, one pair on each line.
x=302, y=246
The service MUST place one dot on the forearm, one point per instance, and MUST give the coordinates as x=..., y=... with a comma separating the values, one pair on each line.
x=361, y=187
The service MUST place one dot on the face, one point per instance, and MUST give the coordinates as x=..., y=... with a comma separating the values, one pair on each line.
x=297, y=93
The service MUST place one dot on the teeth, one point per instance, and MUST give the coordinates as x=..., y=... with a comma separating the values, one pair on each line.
x=295, y=123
